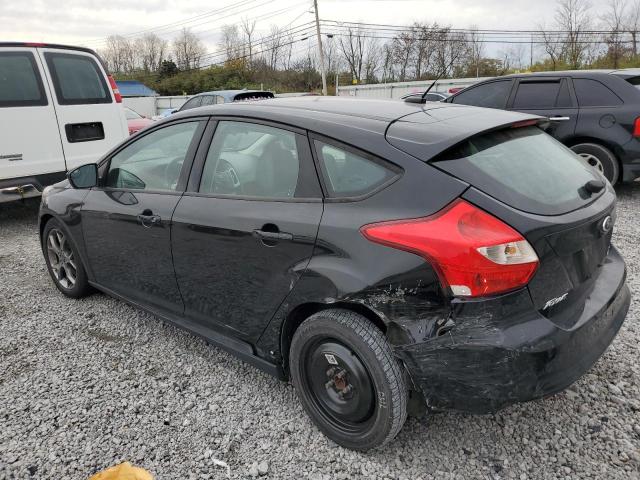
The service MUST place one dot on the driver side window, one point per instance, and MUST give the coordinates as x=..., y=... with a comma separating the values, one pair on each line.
x=153, y=162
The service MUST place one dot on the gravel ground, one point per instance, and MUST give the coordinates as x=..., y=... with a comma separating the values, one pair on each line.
x=87, y=384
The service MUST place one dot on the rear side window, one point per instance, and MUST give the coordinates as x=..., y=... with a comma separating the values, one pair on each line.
x=592, y=93
x=524, y=168
x=20, y=82
x=536, y=95
x=77, y=79
x=193, y=103
x=489, y=95
x=348, y=174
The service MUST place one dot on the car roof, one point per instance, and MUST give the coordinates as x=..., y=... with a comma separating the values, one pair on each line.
x=355, y=120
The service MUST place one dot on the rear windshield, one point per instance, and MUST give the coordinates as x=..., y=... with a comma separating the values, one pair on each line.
x=20, y=83
x=77, y=79
x=635, y=81
x=524, y=168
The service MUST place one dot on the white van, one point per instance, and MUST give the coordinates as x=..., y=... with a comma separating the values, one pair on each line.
x=58, y=109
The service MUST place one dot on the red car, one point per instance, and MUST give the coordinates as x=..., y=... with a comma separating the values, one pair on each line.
x=135, y=121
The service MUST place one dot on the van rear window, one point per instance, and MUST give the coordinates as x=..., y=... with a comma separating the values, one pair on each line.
x=524, y=168
x=20, y=82
x=77, y=79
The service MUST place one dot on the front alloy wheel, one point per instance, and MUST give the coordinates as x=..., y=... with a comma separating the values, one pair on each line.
x=61, y=259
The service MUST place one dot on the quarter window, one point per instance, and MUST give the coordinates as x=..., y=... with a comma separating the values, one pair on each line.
x=20, y=83
x=490, y=95
x=154, y=162
x=77, y=79
x=348, y=174
x=193, y=103
x=247, y=159
x=592, y=93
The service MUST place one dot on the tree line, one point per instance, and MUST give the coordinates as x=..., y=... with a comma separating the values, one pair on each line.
x=285, y=58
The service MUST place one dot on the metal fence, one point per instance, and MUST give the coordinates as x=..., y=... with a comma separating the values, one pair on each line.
x=398, y=89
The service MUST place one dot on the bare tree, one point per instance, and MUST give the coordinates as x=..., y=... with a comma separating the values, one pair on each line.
x=403, y=46
x=475, y=49
x=231, y=42
x=119, y=54
x=358, y=50
x=614, y=19
x=151, y=50
x=552, y=46
x=188, y=50
x=632, y=25
x=248, y=28
x=573, y=17
x=272, y=46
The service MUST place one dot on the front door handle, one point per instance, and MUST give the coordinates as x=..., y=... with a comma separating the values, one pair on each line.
x=272, y=235
x=559, y=119
x=148, y=219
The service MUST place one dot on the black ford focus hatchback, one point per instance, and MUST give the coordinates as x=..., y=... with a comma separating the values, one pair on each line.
x=385, y=257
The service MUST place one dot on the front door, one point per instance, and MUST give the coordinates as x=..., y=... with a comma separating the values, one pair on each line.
x=245, y=233
x=127, y=220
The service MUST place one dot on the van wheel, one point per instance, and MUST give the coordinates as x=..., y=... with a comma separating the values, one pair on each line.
x=601, y=158
x=348, y=380
x=63, y=262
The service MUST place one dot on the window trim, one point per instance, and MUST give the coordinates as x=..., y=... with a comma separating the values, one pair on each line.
x=49, y=56
x=43, y=101
x=322, y=173
x=105, y=163
x=307, y=177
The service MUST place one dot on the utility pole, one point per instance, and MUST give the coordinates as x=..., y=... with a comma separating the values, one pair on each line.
x=322, y=70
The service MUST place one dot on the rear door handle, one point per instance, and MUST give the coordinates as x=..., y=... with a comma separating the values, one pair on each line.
x=149, y=220
x=273, y=235
x=559, y=119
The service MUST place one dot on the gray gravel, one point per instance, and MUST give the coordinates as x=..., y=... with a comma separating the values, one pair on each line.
x=87, y=384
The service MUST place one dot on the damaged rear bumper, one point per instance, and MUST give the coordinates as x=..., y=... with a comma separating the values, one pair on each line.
x=501, y=351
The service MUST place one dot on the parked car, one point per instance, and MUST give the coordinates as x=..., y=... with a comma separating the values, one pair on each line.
x=384, y=256
x=135, y=121
x=219, y=96
x=594, y=112
x=58, y=109
x=431, y=96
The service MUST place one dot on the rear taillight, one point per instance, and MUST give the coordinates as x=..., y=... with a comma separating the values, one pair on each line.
x=636, y=127
x=474, y=253
x=114, y=87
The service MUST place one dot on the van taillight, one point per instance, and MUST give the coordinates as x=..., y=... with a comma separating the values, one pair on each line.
x=474, y=253
x=114, y=87
x=636, y=127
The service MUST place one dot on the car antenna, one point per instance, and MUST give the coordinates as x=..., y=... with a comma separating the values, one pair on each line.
x=438, y=77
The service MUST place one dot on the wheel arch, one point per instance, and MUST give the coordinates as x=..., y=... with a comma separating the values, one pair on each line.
x=614, y=147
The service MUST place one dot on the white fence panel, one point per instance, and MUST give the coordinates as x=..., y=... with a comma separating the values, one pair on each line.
x=398, y=89
x=143, y=105
x=165, y=103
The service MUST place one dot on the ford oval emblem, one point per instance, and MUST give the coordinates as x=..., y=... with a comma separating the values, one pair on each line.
x=606, y=224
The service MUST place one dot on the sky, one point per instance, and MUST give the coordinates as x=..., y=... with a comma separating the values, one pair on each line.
x=89, y=22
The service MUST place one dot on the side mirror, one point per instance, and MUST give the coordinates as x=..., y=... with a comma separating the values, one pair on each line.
x=85, y=176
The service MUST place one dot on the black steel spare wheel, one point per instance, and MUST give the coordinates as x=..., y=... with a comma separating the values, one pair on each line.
x=340, y=385
x=348, y=379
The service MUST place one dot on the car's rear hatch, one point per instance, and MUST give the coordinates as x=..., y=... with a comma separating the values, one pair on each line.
x=537, y=186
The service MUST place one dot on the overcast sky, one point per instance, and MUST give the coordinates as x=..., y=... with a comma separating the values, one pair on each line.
x=88, y=22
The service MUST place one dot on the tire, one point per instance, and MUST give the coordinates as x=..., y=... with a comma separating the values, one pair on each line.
x=348, y=380
x=63, y=261
x=601, y=158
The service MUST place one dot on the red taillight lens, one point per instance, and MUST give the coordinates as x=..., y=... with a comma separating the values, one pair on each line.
x=636, y=127
x=474, y=253
x=114, y=87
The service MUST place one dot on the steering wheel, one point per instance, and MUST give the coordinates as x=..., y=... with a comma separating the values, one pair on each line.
x=172, y=172
x=226, y=179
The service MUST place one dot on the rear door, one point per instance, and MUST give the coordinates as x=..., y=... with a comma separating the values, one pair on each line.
x=29, y=138
x=548, y=97
x=245, y=230
x=89, y=119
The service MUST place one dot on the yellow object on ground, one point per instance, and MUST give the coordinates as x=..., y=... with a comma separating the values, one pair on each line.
x=124, y=471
